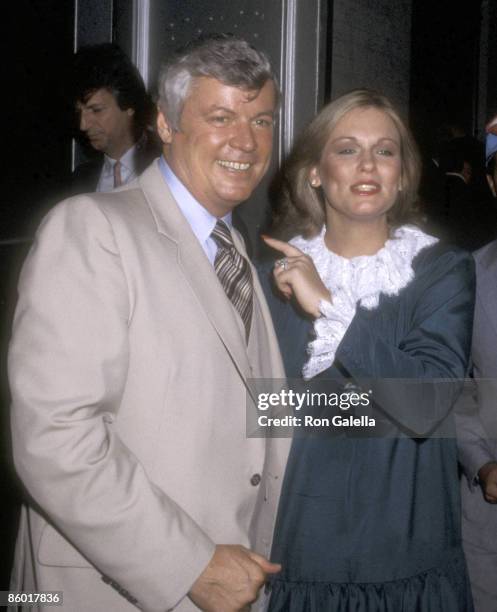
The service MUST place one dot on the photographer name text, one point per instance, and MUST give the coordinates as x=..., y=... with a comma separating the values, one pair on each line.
x=299, y=403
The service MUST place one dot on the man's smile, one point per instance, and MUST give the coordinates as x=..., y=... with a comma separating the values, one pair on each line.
x=231, y=165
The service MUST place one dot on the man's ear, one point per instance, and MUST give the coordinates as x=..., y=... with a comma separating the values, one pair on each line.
x=163, y=128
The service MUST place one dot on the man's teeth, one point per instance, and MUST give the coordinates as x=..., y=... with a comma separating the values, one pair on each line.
x=233, y=165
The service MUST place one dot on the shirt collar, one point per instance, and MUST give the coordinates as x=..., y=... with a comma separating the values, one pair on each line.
x=458, y=174
x=199, y=218
x=128, y=160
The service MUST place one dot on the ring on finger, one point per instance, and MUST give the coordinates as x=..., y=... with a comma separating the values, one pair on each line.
x=282, y=263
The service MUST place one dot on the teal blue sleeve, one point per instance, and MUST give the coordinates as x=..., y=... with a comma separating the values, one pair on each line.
x=433, y=343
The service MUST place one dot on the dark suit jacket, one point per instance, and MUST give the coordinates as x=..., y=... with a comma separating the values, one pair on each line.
x=462, y=216
x=85, y=177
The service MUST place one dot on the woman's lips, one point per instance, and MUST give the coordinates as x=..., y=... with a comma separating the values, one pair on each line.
x=365, y=188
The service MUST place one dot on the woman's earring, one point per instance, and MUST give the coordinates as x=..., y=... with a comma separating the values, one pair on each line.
x=314, y=182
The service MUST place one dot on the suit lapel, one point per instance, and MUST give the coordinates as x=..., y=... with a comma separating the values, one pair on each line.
x=197, y=269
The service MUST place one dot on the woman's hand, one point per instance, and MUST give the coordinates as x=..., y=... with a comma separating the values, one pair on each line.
x=295, y=275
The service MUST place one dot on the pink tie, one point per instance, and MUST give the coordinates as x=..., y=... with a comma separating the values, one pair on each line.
x=117, y=174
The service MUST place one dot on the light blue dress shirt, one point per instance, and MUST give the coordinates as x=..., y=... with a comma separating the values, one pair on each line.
x=199, y=218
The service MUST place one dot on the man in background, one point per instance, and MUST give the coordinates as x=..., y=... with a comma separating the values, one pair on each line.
x=478, y=436
x=115, y=115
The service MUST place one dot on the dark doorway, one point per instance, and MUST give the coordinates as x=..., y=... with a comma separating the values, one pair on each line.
x=38, y=39
x=444, y=67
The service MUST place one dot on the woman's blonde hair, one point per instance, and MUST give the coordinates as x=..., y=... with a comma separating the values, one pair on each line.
x=301, y=208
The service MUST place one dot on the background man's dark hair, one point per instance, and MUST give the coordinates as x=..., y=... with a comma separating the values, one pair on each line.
x=453, y=154
x=107, y=66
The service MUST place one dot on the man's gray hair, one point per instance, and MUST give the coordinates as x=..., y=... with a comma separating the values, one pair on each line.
x=233, y=61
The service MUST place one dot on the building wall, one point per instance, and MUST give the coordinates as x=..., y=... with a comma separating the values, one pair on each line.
x=371, y=47
x=487, y=91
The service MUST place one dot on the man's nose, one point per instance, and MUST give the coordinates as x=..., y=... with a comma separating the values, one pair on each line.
x=84, y=122
x=243, y=137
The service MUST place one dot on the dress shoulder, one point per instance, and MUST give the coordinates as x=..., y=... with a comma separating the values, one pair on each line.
x=441, y=258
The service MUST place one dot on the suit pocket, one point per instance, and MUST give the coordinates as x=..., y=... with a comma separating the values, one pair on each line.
x=55, y=550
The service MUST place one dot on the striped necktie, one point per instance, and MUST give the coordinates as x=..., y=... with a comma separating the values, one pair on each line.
x=234, y=273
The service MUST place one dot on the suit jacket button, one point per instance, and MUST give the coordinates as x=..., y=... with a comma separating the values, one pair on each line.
x=255, y=480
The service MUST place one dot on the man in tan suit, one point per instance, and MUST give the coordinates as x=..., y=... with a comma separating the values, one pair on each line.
x=138, y=325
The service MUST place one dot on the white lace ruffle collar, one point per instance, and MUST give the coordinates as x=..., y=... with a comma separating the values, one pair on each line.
x=358, y=280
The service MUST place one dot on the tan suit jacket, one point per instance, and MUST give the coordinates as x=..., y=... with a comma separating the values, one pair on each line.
x=128, y=370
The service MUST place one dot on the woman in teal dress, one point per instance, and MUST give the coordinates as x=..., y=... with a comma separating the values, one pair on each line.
x=368, y=524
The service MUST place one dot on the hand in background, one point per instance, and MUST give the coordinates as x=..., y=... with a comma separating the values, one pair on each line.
x=232, y=579
x=296, y=276
x=488, y=480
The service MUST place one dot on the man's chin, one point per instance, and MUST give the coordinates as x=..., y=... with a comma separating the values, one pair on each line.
x=233, y=199
x=97, y=144
x=238, y=190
